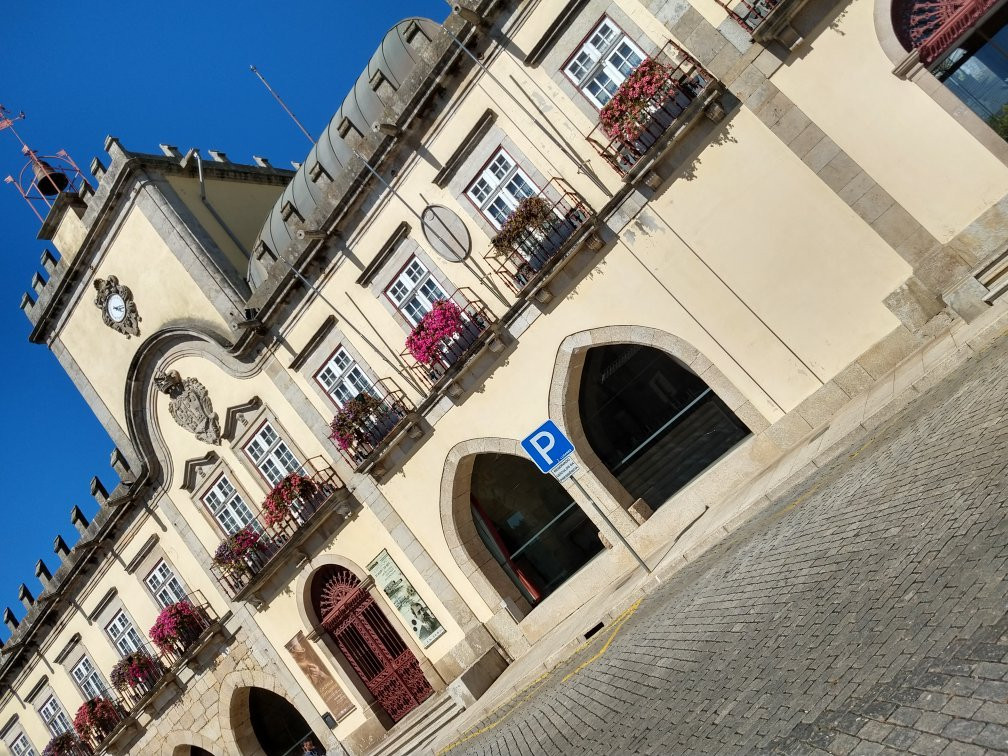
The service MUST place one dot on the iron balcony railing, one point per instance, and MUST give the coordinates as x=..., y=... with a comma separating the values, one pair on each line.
x=273, y=538
x=749, y=15
x=529, y=255
x=683, y=81
x=456, y=349
x=389, y=409
x=161, y=664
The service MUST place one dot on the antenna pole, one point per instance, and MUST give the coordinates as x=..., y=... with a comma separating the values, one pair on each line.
x=7, y=122
x=283, y=105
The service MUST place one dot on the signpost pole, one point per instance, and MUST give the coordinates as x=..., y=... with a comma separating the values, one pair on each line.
x=611, y=525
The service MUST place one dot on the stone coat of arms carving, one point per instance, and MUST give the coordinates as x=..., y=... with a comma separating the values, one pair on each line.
x=190, y=405
x=119, y=311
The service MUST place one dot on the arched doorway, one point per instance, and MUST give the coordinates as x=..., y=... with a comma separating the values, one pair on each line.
x=369, y=641
x=530, y=524
x=269, y=720
x=653, y=423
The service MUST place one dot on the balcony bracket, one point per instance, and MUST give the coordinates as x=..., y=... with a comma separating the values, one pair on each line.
x=715, y=111
x=652, y=180
x=543, y=295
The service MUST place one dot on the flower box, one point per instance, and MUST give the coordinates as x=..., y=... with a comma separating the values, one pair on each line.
x=136, y=670
x=177, y=627
x=236, y=552
x=96, y=719
x=426, y=342
x=67, y=744
x=287, y=495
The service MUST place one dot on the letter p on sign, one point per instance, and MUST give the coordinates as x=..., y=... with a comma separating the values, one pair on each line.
x=546, y=446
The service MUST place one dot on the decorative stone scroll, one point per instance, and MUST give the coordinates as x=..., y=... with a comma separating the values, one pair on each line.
x=119, y=311
x=190, y=406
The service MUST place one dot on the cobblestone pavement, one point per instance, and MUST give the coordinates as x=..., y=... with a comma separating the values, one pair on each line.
x=865, y=612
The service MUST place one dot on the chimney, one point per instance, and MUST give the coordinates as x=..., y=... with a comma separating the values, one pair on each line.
x=99, y=493
x=10, y=620
x=60, y=548
x=78, y=520
x=120, y=466
x=25, y=596
x=42, y=573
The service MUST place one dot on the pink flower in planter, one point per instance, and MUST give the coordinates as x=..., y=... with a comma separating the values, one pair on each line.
x=349, y=425
x=442, y=322
x=626, y=115
x=138, y=668
x=232, y=551
x=278, y=502
x=67, y=744
x=96, y=718
x=178, y=625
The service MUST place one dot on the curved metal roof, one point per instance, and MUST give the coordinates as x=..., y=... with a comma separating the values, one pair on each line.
x=395, y=59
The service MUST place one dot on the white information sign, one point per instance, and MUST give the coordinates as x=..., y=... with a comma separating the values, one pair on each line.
x=565, y=468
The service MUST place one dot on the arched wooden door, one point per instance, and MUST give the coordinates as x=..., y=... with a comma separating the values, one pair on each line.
x=369, y=642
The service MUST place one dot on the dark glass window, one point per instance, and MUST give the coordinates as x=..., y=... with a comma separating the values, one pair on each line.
x=530, y=524
x=976, y=71
x=653, y=423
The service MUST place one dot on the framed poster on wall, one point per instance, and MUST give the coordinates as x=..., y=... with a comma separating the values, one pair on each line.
x=413, y=609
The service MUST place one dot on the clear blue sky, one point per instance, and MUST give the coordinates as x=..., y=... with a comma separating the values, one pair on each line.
x=146, y=73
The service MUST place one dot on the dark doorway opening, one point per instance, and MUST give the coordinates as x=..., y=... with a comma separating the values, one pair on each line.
x=654, y=423
x=530, y=524
x=278, y=726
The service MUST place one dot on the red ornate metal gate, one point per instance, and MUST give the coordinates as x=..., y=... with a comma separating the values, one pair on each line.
x=371, y=644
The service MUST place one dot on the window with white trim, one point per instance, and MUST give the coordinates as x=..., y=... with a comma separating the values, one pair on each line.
x=88, y=679
x=227, y=506
x=54, y=717
x=21, y=746
x=603, y=62
x=499, y=188
x=164, y=585
x=271, y=455
x=343, y=379
x=414, y=291
x=123, y=634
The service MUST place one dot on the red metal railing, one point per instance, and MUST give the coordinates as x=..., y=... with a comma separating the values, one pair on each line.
x=957, y=24
x=71, y=745
x=538, y=247
x=749, y=15
x=685, y=80
x=476, y=322
x=369, y=433
x=274, y=537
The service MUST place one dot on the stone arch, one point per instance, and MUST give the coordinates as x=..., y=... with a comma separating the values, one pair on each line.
x=565, y=385
x=233, y=709
x=180, y=742
x=477, y=564
x=907, y=65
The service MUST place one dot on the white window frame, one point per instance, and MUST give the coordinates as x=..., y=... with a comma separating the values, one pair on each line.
x=342, y=378
x=123, y=634
x=499, y=188
x=20, y=745
x=88, y=678
x=602, y=63
x=164, y=584
x=227, y=506
x=271, y=454
x=414, y=290
x=54, y=716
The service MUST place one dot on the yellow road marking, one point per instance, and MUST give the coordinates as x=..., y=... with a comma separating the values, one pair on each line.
x=620, y=621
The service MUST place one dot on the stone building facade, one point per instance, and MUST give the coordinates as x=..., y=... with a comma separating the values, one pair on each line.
x=686, y=232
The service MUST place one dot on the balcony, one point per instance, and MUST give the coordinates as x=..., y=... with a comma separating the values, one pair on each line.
x=153, y=681
x=635, y=130
x=539, y=236
x=367, y=427
x=449, y=352
x=273, y=540
x=767, y=20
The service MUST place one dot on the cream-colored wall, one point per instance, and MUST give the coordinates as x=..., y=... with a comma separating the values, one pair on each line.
x=898, y=135
x=242, y=205
x=164, y=292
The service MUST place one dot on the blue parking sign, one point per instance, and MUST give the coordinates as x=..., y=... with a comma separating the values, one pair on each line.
x=547, y=446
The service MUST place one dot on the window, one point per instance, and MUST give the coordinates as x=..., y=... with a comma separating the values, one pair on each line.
x=21, y=746
x=123, y=634
x=603, y=62
x=342, y=378
x=88, y=679
x=227, y=506
x=271, y=455
x=976, y=71
x=54, y=717
x=165, y=585
x=414, y=291
x=499, y=188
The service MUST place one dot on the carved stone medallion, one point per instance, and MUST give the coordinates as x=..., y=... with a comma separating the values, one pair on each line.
x=119, y=311
x=190, y=405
